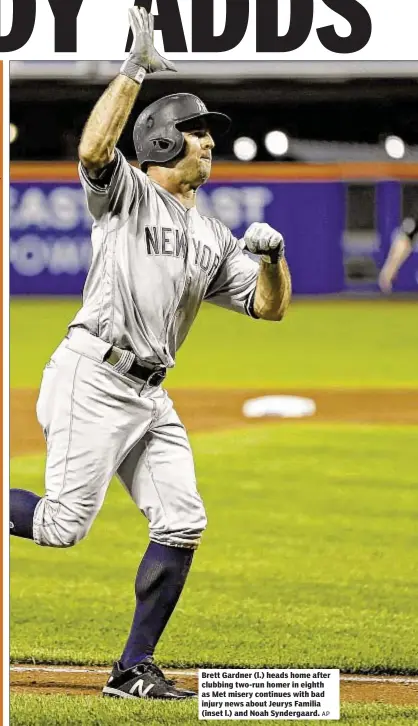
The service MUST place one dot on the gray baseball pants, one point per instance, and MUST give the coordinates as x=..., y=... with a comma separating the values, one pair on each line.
x=99, y=422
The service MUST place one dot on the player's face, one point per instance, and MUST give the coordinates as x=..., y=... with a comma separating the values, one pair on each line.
x=196, y=163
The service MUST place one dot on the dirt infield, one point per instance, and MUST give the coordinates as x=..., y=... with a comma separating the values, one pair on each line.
x=89, y=681
x=211, y=410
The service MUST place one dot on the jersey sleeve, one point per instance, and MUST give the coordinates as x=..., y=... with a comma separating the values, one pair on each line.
x=233, y=286
x=112, y=194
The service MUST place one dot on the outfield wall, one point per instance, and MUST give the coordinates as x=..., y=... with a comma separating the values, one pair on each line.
x=338, y=221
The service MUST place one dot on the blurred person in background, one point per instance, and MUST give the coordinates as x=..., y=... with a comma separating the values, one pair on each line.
x=401, y=248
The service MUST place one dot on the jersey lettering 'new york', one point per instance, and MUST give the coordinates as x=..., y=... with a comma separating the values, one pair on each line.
x=166, y=241
x=153, y=263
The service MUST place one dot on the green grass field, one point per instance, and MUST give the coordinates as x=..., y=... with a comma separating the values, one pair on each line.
x=365, y=344
x=310, y=558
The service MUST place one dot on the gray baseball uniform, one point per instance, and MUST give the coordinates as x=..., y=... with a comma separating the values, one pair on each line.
x=154, y=262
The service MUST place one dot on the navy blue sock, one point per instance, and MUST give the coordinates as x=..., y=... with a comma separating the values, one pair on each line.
x=22, y=507
x=159, y=582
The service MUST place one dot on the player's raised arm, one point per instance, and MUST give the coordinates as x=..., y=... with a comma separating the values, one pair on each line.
x=110, y=114
x=274, y=287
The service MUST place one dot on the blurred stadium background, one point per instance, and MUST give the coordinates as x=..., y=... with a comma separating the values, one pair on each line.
x=326, y=152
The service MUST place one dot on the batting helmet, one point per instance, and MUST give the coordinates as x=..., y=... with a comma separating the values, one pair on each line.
x=157, y=132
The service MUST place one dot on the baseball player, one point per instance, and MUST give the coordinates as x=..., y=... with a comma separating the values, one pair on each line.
x=401, y=248
x=101, y=404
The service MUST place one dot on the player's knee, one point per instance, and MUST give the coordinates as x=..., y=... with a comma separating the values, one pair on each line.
x=57, y=526
x=70, y=534
x=62, y=535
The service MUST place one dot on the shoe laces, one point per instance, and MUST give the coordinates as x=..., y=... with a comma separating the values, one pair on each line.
x=150, y=667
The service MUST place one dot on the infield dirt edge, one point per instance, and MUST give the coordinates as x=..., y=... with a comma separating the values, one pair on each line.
x=89, y=680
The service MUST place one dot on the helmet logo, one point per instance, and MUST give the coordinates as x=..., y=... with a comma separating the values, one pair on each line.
x=201, y=106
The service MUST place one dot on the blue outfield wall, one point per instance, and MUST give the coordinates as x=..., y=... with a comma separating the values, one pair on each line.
x=50, y=233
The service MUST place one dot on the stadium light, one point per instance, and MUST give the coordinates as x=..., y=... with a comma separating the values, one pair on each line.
x=245, y=148
x=14, y=133
x=395, y=147
x=277, y=143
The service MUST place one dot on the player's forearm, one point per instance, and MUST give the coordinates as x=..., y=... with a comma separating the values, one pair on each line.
x=399, y=252
x=273, y=291
x=106, y=123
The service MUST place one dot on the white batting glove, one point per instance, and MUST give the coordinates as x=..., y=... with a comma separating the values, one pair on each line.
x=261, y=239
x=143, y=57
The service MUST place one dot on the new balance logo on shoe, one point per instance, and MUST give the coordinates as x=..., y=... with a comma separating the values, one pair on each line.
x=144, y=680
x=139, y=688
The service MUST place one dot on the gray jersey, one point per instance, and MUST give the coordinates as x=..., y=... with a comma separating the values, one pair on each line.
x=154, y=262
